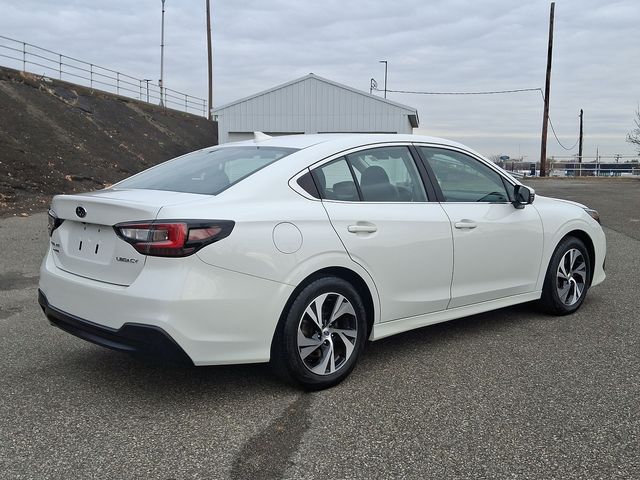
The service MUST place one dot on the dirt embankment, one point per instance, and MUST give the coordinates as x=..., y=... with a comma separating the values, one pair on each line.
x=57, y=137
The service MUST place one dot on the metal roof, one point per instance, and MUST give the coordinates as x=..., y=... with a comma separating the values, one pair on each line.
x=320, y=79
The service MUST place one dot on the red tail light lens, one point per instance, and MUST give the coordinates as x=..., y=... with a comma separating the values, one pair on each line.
x=54, y=222
x=173, y=238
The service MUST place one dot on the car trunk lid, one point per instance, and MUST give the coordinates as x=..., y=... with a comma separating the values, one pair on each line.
x=86, y=244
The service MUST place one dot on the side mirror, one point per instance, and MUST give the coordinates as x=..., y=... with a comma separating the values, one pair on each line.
x=523, y=196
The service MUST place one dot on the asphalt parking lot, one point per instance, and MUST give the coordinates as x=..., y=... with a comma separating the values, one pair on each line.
x=507, y=394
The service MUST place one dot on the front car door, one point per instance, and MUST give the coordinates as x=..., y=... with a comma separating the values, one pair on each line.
x=377, y=203
x=497, y=247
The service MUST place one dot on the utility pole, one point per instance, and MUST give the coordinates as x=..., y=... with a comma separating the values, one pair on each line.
x=547, y=87
x=210, y=59
x=386, y=64
x=162, y=56
x=580, y=141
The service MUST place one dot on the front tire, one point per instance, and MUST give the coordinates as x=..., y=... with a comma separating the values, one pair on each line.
x=567, y=279
x=321, y=336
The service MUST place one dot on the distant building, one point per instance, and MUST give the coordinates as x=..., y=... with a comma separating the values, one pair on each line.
x=312, y=104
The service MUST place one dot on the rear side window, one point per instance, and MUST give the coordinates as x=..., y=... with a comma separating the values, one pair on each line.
x=335, y=182
x=206, y=171
x=383, y=174
x=387, y=174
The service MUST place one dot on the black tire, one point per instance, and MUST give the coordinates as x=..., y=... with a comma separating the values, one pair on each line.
x=286, y=353
x=553, y=299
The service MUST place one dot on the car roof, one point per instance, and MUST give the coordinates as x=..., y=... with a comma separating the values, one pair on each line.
x=341, y=139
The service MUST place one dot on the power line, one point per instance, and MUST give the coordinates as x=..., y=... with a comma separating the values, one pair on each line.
x=553, y=130
x=558, y=140
x=490, y=92
x=493, y=92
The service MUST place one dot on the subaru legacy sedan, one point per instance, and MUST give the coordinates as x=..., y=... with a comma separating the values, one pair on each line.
x=296, y=250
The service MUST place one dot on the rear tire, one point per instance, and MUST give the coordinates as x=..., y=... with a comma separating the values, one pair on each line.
x=320, y=337
x=568, y=278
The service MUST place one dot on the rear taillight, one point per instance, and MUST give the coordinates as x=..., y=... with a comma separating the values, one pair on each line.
x=54, y=222
x=173, y=238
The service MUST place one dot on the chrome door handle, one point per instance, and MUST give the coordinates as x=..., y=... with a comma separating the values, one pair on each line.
x=362, y=228
x=465, y=224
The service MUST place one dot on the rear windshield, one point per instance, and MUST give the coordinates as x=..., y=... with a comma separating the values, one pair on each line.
x=206, y=171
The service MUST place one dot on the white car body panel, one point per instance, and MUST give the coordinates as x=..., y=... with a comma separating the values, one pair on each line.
x=217, y=316
x=383, y=330
x=560, y=219
x=499, y=232
x=410, y=258
x=223, y=303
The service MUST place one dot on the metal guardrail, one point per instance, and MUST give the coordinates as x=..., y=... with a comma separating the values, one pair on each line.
x=574, y=169
x=596, y=169
x=101, y=78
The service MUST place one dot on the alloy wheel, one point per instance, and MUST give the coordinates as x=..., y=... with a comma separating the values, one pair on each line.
x=327, y=333
x=571, y=277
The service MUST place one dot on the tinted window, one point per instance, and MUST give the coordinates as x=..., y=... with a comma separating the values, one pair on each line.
x=206, y=171
x=463, y=178
x=335, y=182
x=387, y=174
x=307, y=183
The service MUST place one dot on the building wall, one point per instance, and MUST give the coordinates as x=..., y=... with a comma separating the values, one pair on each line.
x=311, y=106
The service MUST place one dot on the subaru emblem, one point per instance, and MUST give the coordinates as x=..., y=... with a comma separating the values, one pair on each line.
x=81, y=212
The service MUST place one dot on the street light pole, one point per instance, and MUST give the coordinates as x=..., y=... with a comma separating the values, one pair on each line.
x=385, y=76
x=162, y=56
x=209, y=56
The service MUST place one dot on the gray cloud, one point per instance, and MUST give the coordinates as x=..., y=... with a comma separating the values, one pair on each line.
x=437, y=45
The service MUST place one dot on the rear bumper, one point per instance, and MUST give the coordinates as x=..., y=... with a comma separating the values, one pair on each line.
x=130, y=338
x=215, y=316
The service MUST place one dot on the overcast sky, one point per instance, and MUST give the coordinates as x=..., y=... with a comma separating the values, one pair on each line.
x=436, y=45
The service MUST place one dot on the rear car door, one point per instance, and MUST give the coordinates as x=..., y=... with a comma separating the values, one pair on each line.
x=377, y=203
x=497, y=247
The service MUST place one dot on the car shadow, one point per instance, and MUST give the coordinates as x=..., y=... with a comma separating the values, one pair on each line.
x=152, y=376
x=483, y=327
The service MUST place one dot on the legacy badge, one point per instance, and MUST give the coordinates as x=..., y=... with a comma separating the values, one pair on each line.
x=127, y=260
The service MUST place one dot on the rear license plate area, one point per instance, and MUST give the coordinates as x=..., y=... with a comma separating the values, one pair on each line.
x=90, y=242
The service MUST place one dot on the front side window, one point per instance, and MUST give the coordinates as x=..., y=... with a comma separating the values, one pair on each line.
x=206, y=171
x=463, y=178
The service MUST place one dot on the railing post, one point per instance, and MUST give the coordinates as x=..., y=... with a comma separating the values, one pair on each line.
x=60, y=65
x=91, y=75
x=118, y=83
x=24, y=57
x=140, y=92
x=186, y=108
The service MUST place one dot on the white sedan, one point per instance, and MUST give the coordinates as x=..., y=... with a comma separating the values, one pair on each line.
x=298, y=249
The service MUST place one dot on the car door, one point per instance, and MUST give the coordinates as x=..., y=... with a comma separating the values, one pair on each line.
x=497, y=247
x=377, y=203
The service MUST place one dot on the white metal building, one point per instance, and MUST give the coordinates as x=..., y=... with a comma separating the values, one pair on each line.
x=312, y=104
